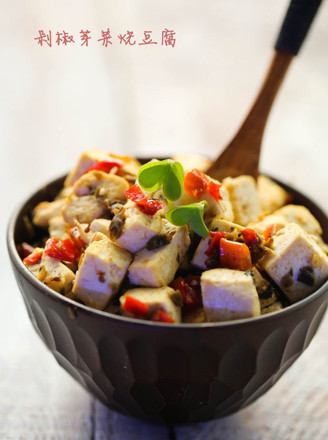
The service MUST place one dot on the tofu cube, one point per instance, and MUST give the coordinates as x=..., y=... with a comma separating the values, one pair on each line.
x=86, y=160
x=160, y=298
x=191, y=161
x=132, y=229
x=99, y=225
x=200, y=257
x=44, y=211
x=103, y=268
x=272, y=219
x=55, y=275
x=244, y=198
x=83, y=209
x=302, y=216
x=157, y=267
x=272, y=196
x=107, y=187
x=297, y=264
x=228, y=295
x=58, y=227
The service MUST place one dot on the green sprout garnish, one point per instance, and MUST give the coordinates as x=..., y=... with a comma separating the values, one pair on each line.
x=166, y=173
x=189, y=214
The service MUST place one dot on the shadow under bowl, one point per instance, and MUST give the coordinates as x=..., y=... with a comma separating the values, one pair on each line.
x=160, y=372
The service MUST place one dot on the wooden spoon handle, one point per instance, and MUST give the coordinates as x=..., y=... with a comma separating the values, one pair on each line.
x=242, y=155
x=296, y=24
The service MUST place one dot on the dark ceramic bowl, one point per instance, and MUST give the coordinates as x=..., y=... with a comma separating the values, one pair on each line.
x=160, y=372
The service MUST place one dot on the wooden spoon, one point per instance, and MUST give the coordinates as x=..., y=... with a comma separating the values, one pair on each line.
x=242, y=154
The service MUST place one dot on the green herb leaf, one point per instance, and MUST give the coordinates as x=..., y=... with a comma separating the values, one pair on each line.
x=166, y=173
x=189, y=214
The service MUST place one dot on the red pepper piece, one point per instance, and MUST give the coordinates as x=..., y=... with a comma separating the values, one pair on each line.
x=269, y=231
x=250, y=237
x=33, y=258
x=135, y=194
x=150, y=206
x=146, y=205
x=161, y=316
x=235, y=255
x=190, y=290
x=215, y=242
x=195, y=183
x=213, y=251
x=214, y=190
x=106, y=165
x=136, y=307
x=76, y=238
x=62, y=250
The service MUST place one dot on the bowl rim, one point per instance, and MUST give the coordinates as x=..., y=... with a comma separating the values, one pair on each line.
x=47, y=291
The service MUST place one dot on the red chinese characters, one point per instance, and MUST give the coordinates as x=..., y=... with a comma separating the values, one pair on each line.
x=125, y=39
x=85, y=37
x=44, y=38
x=64, y=38
x=105, y=37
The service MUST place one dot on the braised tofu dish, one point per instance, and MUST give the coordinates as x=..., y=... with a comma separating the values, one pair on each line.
x=165, y=242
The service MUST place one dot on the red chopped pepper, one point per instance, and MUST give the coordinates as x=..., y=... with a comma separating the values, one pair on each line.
x=195, y=183
x=215, y=242
x=214, y=190
x=213, y=251
x=161, y=316
x=250, y=237
x=136, y=307
x=235, y=255
x=135, y=194
x=145, y=204
x=76, y=238
x=106, y=165
x=190, y=290
x=269, y=231
x=33, y=258
x=62, y=250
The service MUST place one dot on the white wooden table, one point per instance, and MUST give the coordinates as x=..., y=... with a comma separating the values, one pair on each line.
x=150, y=100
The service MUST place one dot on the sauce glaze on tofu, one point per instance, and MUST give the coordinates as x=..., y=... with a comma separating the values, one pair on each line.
x=110, y=244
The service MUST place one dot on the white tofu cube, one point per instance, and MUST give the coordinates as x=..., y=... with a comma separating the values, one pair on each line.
x=83, y=209
x=55, y=275
x=157, y=267
x=244, y=198
x=58, y=227
x=273, y=219
x=272, y=196
x=44, y=211
x=103, y=268
x=297, y=264
x=191, y=161
x=302, y=216
x=200, y=257
x=132, y=229
x=99, y=225
x=229, y=294
x=162, y=298
x=86, y=160
x=107, y=187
